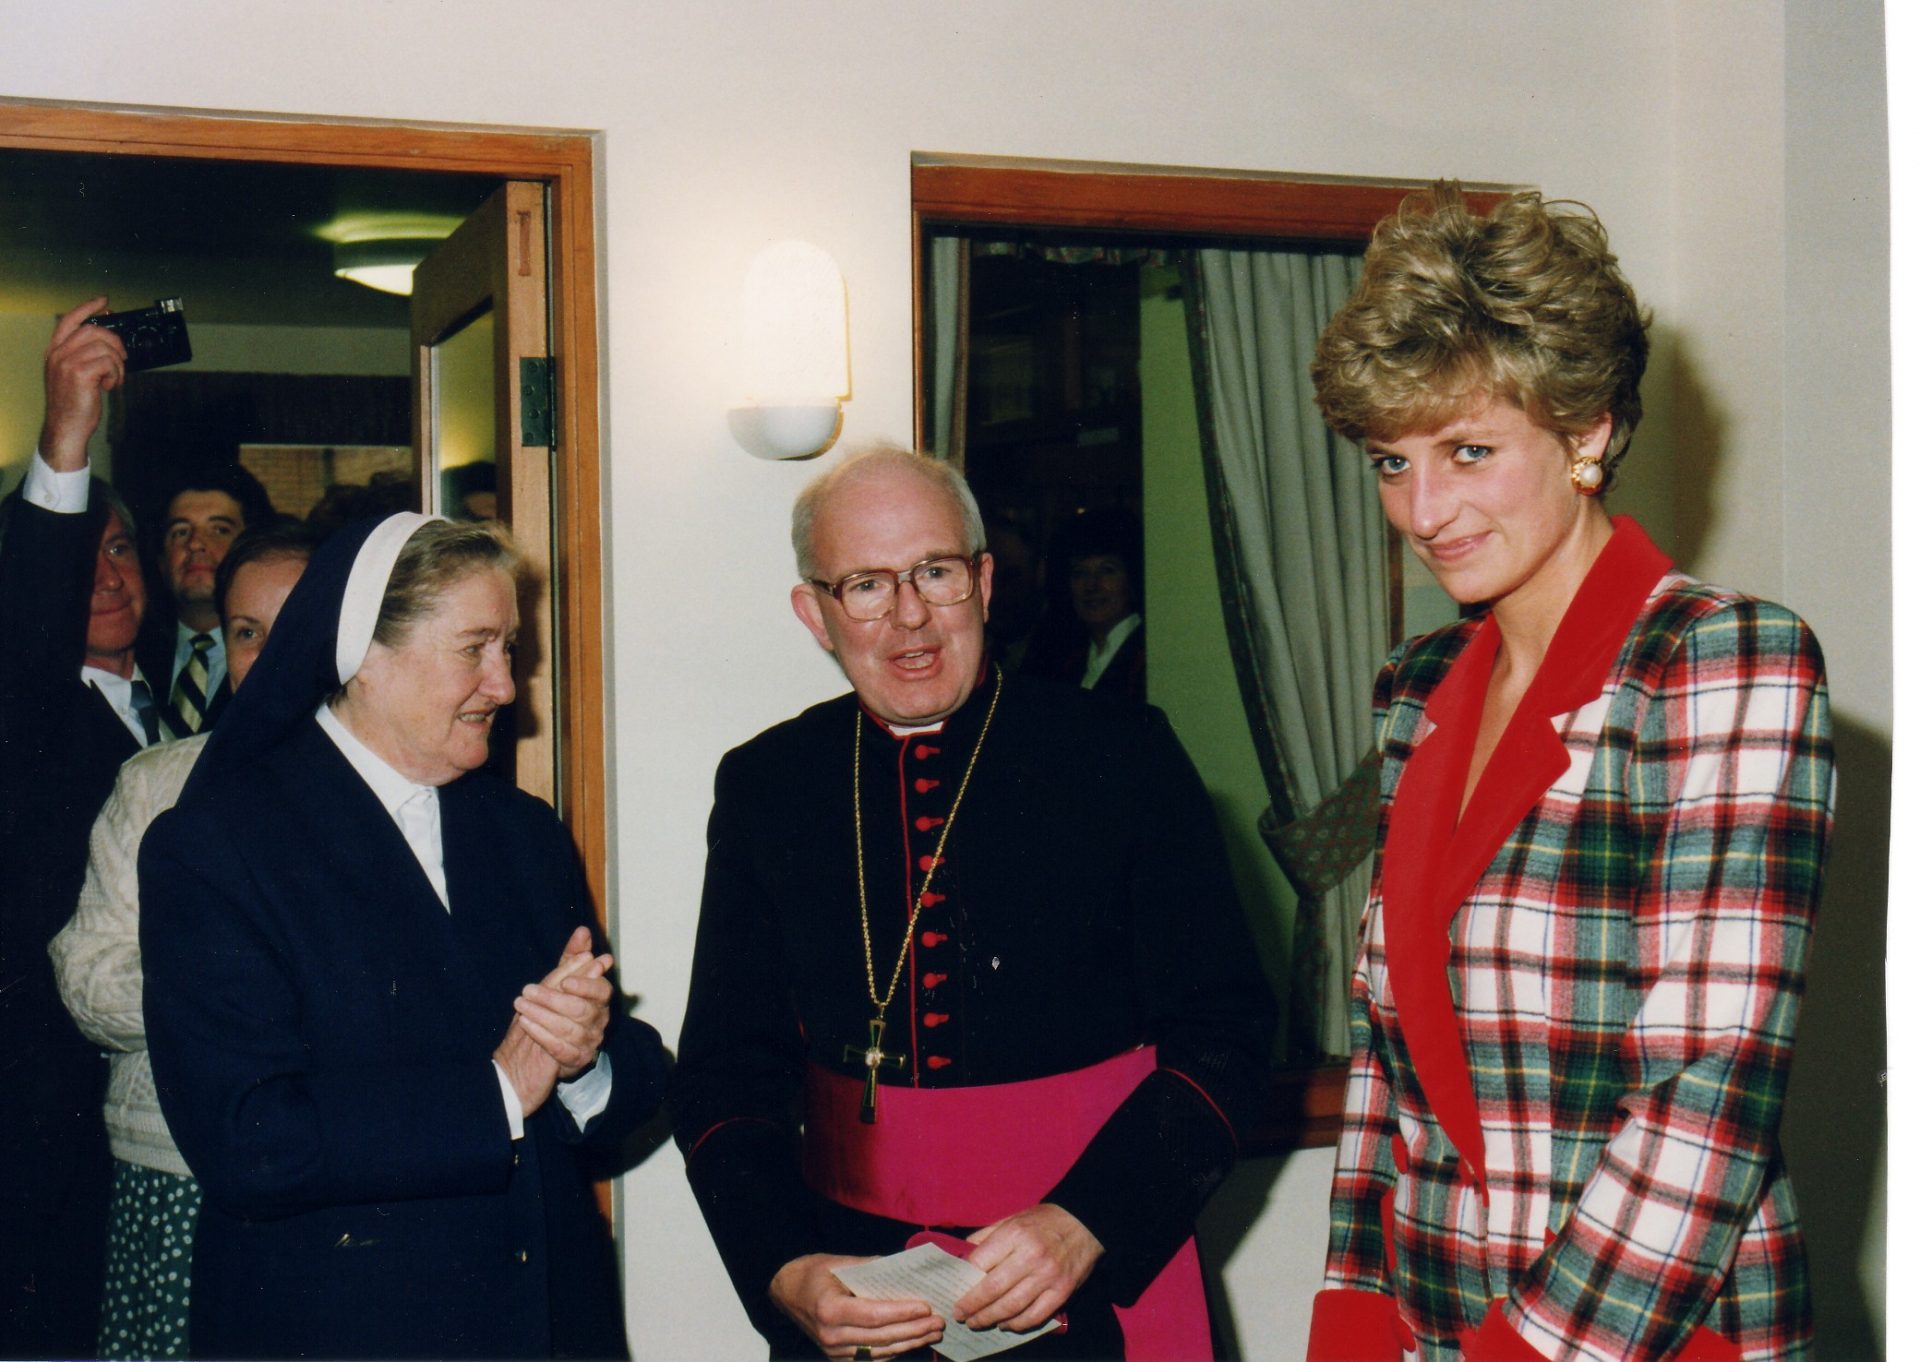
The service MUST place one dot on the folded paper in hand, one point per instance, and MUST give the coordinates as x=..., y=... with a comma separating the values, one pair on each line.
x=931, y=1274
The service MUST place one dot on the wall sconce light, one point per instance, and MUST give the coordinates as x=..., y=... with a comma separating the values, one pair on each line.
x=793, y=353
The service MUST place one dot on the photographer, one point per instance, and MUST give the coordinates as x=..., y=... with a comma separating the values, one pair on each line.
x=73, y=706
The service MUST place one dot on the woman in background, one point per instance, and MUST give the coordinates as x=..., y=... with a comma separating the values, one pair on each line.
x=143, y=1311
x=1097, y=556
x=1607, y=795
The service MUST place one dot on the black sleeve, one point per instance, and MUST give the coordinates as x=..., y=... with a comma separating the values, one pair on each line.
x=736, y=1086
x=46, y=578
x=1143, y=1179
x=47, y=803
x=266, y=1130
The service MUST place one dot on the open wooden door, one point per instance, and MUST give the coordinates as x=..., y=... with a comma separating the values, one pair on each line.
x=483, y=426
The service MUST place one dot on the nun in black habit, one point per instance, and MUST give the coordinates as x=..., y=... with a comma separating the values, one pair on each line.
x=378, y=1009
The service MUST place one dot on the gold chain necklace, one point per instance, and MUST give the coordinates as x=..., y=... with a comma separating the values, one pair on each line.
x=873, y=1055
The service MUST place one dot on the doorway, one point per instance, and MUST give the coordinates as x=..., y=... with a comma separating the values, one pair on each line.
x=560, y=162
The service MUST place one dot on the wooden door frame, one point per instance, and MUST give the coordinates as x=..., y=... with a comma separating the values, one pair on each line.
x=563, y=160
x=1002, y=191
x=1304, y=1105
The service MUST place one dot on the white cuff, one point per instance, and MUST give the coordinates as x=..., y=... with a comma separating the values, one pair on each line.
x=587, y=1096
x=516, y=1123
x=65, y=493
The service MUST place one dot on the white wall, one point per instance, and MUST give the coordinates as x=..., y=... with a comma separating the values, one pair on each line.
x=726, y=126
x=23, y=340
x=1784, y=110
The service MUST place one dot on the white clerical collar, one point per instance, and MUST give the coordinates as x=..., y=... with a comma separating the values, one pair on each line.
x=899, y=731
x=390, y=787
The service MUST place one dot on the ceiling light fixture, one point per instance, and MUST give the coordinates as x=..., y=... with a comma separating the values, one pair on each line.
x=380, y=249
x=386, y=265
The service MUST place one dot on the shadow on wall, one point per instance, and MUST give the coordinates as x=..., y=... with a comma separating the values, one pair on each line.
x=1836, y=1118
x=1225, y=1223
x=1699, y=428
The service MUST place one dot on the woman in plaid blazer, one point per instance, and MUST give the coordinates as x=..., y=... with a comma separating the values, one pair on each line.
x=1606, y=798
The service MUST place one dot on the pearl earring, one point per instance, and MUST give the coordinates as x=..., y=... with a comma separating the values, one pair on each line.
x=1588, y=475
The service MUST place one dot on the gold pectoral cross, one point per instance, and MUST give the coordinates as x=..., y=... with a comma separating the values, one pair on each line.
x=873, y=1057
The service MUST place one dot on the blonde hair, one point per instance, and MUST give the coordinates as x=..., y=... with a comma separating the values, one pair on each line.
x=1526, y=304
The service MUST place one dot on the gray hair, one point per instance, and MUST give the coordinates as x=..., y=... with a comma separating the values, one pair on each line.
x=866, y=462
x=104, y=492
x=438, y=554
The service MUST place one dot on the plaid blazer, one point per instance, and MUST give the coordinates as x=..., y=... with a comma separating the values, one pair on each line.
x=1583, y=1135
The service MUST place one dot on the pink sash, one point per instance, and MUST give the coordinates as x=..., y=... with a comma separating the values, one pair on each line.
x=971, y=1156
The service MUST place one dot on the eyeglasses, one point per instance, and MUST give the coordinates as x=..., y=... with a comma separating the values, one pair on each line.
x=870, y=595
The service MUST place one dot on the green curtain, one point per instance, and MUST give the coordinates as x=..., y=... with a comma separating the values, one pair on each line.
x=1301, y=547
x=944, y=318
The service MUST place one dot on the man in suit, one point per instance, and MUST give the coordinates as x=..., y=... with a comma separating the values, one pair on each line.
x=73, y=706
x=181, y=648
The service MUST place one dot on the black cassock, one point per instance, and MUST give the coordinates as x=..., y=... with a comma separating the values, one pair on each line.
x=1083, y=907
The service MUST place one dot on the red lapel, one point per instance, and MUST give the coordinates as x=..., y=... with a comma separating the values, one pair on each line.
x=1432, y=865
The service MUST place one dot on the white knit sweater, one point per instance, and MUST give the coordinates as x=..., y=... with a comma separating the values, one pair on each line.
x=97, y=955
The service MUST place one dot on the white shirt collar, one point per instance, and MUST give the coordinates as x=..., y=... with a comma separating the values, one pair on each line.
x=421, y=830
x=183, y=636
x=1100, y=654
x=390, y=787
x=117, y=691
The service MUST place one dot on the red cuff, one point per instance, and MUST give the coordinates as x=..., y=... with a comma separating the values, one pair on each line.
x=1356, y=1326
x=1708, y=1346
x=1498, y=1341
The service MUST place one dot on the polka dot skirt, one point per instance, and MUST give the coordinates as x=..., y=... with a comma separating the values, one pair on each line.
x=143, y=1313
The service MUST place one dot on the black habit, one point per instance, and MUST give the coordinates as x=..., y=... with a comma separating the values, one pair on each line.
x=1083, y=907
x=322, y=1030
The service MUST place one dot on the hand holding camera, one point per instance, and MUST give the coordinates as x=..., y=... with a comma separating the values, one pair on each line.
x=153, y=336
x=82, y=363
x=91, y=353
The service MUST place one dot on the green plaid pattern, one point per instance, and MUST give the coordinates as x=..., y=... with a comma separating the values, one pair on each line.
x=1627, y=975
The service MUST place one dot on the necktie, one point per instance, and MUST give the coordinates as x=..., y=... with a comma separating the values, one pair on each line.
x=187, y=713
x=146, y=711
